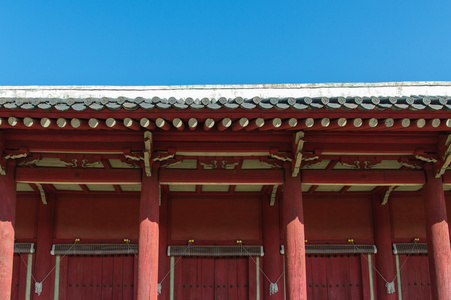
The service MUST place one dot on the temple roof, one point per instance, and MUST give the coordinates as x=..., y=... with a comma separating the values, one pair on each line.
x=413, y=96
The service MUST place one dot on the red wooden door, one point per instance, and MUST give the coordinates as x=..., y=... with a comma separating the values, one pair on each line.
x=415, y=280
x=19, y=281
x=334, y=277
x=105, y=277
x=207, y=278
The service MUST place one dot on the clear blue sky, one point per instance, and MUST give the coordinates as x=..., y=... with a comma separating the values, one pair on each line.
x=223, y=42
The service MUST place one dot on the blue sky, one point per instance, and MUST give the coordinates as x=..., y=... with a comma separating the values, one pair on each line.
x=223, y=42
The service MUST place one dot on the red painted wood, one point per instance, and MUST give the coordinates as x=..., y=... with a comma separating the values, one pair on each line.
x=294, y=235
x=221, y=280
x=118, y=269
x=63, y=282
x=243, y=278
x=350, y=217
x=88, y=264
x=26, y=216
x=407, y=223
x=232, y=278
x=163, y=259
x=15, y=278
x=425, y=278
x=97, y=218
x=148, y=239
x=135, y=277
x=96, y=277
x=127, y=278
x=58, y=175
x=415, y=277
x=7, y=215
x=168, y=176
x=213, y=219
x=349, y=177
x=107, y=277
x=355, y=277
x=208, y=278
x=334, y=278
x=437, y=232
x=178, y=273
x=44, y=261
x=272, y=261
x=382, y=237
x=189, y=278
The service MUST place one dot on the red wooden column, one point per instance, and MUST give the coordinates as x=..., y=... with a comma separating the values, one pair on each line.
x=384, y=257
x=437, y=233
x=272, y=261
x=163, y=259
x=7, y=215
x=44, y=237
x=148, y=238
x=293, y=220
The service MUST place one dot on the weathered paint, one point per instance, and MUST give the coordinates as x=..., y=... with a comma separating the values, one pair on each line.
x=437, y=231
x=7, y=214
x=148, y=239
x=293, y=219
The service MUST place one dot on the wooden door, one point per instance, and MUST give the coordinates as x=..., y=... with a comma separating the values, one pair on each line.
x=208, y=278
x=97, y=277
x=415, y=280
x=19, y=280
x=334, y=277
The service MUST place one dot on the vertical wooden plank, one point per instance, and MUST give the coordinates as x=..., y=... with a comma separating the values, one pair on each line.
x=15, y=279
x=355, y=277
x=221, y=279
x=232, y=274
x=252, y=279
x=319, y=276
x=172, y=279
x=63, y=280
x=28, y=282
x=243, y=278
x=96, y=291
x=135, y=276
x=77, y=269
x=118, y=262
x=189, y=278
x=87, y=286
x=107, y=277
x=127, y=278
x=199, y=278
x=334, y=274
x=308, y=273
x=178, y=272
x=365, y=277
x=22, y=276
x=208, y=278
x=398, y=278
x=425, y=278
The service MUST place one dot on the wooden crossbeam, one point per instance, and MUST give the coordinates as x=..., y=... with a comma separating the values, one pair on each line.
x=78, y=176
x=363, y=177
x=221, y=177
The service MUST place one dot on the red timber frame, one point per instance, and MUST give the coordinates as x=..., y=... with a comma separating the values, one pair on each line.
x=307, y=159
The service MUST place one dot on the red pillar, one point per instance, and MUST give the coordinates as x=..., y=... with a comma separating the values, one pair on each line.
x=437, y=233
x=7, y=216
x=384, y=257
x=44, y=237
x=148, y=238
x=163, y=259
x=293, y=220
x=272, y=261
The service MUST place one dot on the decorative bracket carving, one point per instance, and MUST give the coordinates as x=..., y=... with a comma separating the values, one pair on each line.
x=445, y=157
x=147, y=152
x=273, y=195
x=298, y=145
x=12, y=154
x=387, y=194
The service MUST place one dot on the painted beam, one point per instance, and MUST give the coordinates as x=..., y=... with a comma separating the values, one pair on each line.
x=78, y=176
x=363, y=177
x=221, y=177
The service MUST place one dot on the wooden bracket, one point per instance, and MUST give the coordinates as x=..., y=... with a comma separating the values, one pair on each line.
x=272, y=200
x=445, y=158
x=387, y=194
x=147, y=153
x=42, y=193
x=298, y=145
x=12, y=154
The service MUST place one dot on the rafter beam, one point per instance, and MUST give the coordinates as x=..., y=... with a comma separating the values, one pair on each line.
x=78, y=176
x=221, y=177
x=363, y=177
